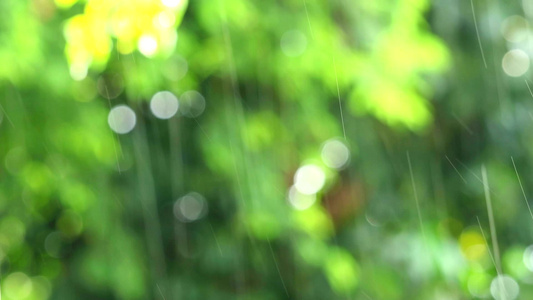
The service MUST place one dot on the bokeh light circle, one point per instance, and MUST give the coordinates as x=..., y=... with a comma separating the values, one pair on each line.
x=53, y=244
x=515, y=29
x=110, y=87
x=504, y=287
x=528, y=258
x=192, y=104
x=293, y=43
x=165, y=19
x=190, y=207
x=78, y=71
x=335, y=154
x=300, y=201
x=17, y=286
x=515, y=63
x=479, y=284
x=147, y=45
x=121, y=119
x=164, y=105
x=171, y=3
x=309, y=179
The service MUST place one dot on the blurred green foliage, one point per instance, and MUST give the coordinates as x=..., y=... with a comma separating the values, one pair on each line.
x=294, y=182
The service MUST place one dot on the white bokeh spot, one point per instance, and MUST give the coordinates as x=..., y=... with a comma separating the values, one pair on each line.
x=335, y=154
x=164, y=105
x=190, y=207
x=528, y=258
x=300, y=201
x=147, y=45
x=171, y=3
x=121, y=119
x=165, y=19
x=504, y=287
x=78, y=71
x=309, y=179
x=515, y=63
x=515, y=29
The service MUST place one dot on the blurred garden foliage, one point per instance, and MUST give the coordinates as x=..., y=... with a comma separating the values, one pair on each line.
x=233, y=149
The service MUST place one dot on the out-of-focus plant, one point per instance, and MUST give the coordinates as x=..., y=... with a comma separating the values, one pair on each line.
x=299, y=187
x=149, y=26
x=302, y=66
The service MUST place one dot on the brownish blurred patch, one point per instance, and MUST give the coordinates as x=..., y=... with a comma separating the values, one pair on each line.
x=344, y=201
x=43, y=9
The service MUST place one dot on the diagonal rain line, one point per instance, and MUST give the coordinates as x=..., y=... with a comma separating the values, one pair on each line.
x=522, y=187
x=477, y=33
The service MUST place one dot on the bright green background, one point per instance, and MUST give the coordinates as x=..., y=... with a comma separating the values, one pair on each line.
x=88, y=214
